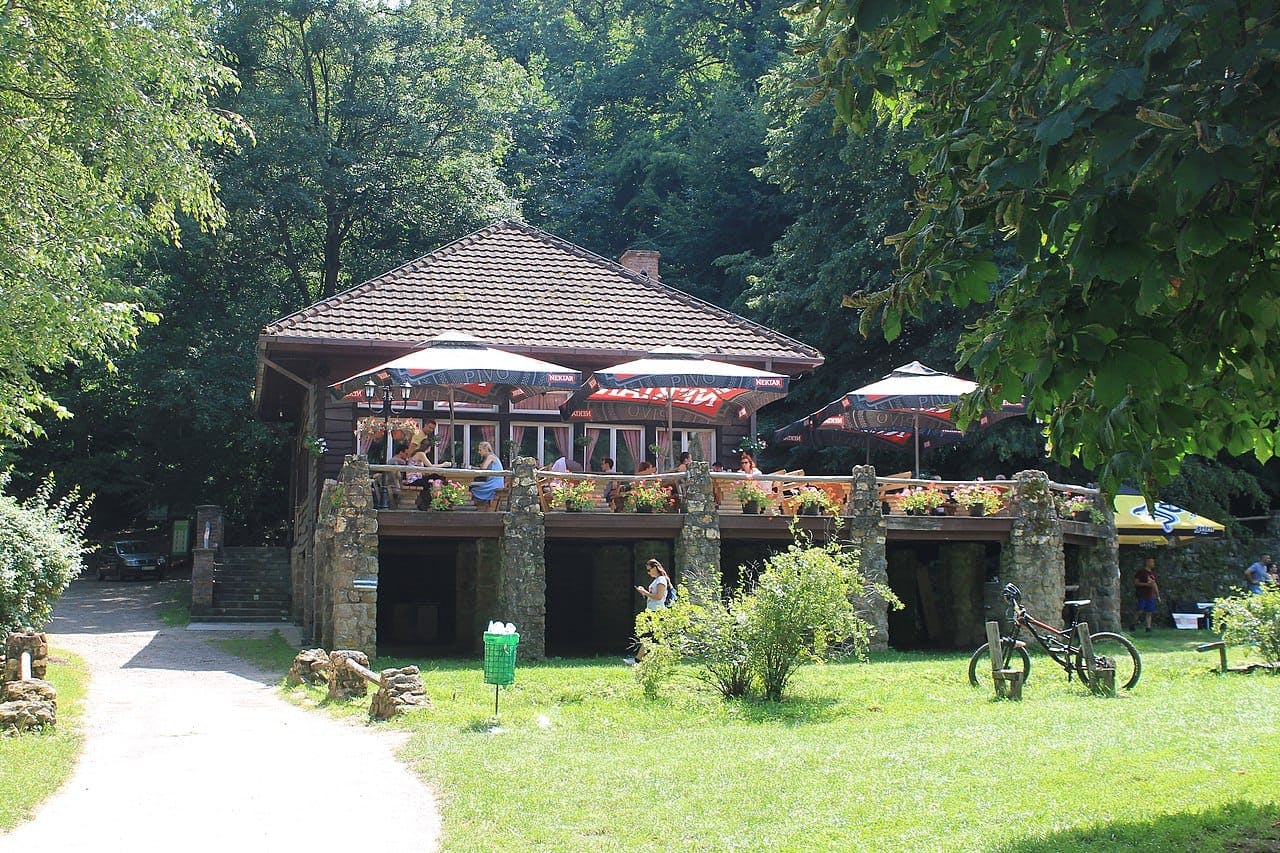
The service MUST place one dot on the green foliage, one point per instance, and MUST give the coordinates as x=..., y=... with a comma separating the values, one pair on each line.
x=800, y=610
x=1122, y=151
x=1251, y=620
x=104, y=122
x=41, y=549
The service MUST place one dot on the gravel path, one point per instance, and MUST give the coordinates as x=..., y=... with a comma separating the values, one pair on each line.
x=188, y=749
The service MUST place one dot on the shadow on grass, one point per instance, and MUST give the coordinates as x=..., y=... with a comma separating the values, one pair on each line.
x=1238, y=826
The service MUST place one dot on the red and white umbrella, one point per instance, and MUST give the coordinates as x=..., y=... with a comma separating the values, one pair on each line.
x=912, y=399
x=675, y=380
x=456, y=366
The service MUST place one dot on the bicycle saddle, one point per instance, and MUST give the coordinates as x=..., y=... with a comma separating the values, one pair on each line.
x=1079, y=602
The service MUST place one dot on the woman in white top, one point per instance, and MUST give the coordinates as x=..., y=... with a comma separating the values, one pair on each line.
x=656, y=594
x=748, y=465
x=655, y=599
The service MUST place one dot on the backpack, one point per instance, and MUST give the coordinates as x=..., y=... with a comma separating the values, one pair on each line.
x=671, y=594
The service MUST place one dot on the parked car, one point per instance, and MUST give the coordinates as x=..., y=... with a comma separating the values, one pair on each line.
x=135, y=558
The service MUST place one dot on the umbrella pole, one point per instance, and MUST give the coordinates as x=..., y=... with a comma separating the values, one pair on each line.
x=452, y=426
x=671, y=436
x=916, y=434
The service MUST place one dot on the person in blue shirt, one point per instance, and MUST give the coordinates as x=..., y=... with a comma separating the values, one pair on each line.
x=1258, y=574
x=485, y=489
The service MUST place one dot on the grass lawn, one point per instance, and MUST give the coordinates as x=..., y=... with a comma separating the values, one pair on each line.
x=897, y=754
x=33, y=766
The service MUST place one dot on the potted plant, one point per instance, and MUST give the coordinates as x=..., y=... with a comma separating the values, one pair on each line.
x=813, y=501
x=1079, y=507
x=574, y=496
x=921, y=501
x=978, y=499
x=647, y=496
x=447, y=495
x=755, y=497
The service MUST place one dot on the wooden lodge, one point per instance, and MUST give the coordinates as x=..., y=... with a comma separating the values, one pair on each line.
x=397, y=579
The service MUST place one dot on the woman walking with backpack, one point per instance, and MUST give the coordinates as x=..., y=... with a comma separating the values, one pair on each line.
x=658, y=596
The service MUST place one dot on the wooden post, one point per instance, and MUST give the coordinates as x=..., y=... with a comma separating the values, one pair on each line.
x=1013, y=683
x=1100, y=680
x=363, y=672
x=996, y=652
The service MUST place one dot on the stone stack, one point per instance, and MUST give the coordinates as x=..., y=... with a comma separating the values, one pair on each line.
x=345, y=683
x=1033, y=557
x=311, y=666
x=354, y=557
x=698, y=546
x=25, y=641
x=31, y=704
x=867, y=538
x=523, y=581
x=401, y=690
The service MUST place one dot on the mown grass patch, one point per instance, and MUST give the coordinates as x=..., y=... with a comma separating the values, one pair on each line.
x=897, y=754
x=33, y=766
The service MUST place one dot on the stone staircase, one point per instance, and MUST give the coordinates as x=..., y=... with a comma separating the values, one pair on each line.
x=250, y=585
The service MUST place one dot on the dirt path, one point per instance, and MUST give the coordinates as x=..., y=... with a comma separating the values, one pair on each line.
x=188, y=749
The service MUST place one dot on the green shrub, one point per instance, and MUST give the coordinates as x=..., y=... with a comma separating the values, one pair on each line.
x=802, y=609
x=1251, y=620
x=42, y=548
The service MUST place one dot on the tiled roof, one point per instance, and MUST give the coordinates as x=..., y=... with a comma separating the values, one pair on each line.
x=517, y=286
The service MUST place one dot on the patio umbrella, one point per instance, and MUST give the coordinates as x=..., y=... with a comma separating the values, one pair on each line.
x=833, y=432
x=1170, y=524
x=671, y=379
x=911, y=397
x=455, y=366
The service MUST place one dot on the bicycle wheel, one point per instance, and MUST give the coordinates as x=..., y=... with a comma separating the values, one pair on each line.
x=1015, y=657
x=1120, y=650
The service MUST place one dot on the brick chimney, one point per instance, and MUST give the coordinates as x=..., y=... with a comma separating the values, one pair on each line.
x=643, y=261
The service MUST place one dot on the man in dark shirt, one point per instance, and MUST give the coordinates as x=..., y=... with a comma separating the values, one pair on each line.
x=1146, y=590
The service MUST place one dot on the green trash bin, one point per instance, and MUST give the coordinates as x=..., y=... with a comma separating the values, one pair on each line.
x=500, y=658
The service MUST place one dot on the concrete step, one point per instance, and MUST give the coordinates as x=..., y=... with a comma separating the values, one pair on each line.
x=256, y=617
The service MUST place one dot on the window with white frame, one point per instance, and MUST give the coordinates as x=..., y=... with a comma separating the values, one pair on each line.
x=544, y=442
x=466, y=435
x=701, y=443
x=623, y=444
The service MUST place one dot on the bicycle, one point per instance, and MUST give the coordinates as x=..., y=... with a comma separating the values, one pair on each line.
x=1059, y=644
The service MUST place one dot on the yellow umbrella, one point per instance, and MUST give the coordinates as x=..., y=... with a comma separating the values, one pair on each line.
x=1170, y=524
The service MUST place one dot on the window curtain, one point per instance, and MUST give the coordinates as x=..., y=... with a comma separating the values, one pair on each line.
x=364, y=436
x=489, y=433
x=664, y=448
x=563, y=436
x=633, y=438
x=594, y=434
x=517, y=437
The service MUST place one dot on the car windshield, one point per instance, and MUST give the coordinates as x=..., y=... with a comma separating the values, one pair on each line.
x=133, y=546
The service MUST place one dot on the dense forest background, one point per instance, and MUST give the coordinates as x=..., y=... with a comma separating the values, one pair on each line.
x=380, y=132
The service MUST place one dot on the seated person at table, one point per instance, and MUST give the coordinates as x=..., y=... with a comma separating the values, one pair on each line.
x=610, y=486
x=485, y=489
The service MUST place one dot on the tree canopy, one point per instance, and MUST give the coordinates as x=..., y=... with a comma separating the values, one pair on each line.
x=104, y=115
x=1127, y=152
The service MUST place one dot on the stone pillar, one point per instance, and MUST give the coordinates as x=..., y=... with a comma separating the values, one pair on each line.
x=209, y=533
x=522, y=576
x=1100, y=577
x=698, y=543
x=353, y=572
x=318, y=602
x=867, y=538
x=962, y=572
x=25, y=641
x=1033, y=557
